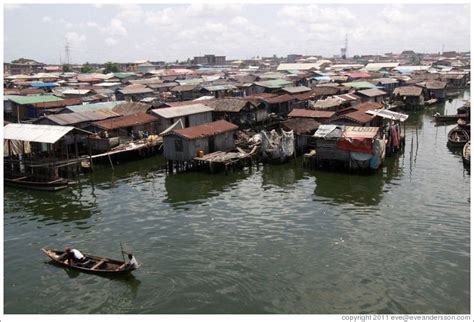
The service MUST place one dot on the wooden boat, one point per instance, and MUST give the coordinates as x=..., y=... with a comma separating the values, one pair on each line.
x=466, y=153
x=37, y=182
x=92, y=264
x=446, y=119
x=457, y=137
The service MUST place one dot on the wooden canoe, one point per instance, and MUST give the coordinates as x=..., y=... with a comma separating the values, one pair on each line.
x=36, y=182
x=457, y=137
x=466, y=153
x=92, y=264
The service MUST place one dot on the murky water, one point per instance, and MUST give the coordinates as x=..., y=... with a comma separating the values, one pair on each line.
x=278, y=239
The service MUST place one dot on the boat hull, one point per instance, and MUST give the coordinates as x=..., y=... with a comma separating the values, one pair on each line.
x=108, y=266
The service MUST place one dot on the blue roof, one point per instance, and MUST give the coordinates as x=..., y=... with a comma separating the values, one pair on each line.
x=213, y=68
x=44, y=84
x=322, y=78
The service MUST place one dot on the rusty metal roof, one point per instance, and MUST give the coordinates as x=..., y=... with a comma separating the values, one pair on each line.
x=373, y=92
x=204, y=130
x=63, y=103
x=279, y=99
x=408, y=91
x=125, y=121
x=301, y=125
x=80, y=117
x=299, y=112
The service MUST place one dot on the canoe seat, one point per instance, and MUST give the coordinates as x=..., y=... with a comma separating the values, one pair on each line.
x=98, y=264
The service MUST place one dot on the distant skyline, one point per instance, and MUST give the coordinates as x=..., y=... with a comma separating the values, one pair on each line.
x=165, y=32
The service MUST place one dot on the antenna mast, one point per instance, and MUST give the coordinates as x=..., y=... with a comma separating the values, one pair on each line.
x=67, y=49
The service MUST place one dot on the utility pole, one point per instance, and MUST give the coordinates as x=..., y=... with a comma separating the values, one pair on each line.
x=67, y=49
x=344, y=50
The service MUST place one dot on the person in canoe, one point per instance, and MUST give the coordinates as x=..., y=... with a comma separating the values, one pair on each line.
x=72, y=256
x=131, y=265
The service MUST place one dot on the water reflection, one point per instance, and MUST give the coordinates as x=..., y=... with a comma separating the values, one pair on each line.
x=283, y=175
x=361, y=190
x=197, y=187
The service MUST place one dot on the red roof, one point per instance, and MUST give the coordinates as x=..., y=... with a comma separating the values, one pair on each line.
x=89, y=79
x=63, y=103
x=357, y=116
x=204, y=130
x=358, y=75
x=299, y=112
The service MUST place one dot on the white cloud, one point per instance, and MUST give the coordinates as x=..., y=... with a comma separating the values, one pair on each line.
x=75, y=38
x=110, y=41
x=239, y=21
x=130, y=12
x=212, y=9
x=46, y=19
x=12, y=6
x=116, y=27
x=97, y=5
x=163, y=17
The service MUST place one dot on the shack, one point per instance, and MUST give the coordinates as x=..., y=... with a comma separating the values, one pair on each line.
x=304, y=129
x=43, y=149
x=320, y=116
x=352, y=147
x=185, y=144
x=134, y=93
x=131, y=126
x=242, y=112
x=433, y=89
x=186, y=92
x=79, y=120
x=372, y=95
x=411, y=96
x=23, y=107
x=190, y=115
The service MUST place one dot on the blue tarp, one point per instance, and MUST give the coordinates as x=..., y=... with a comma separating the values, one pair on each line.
x=44, y=84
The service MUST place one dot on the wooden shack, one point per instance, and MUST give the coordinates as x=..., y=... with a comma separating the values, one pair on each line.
x=411, y=96
x=238, y=111
x=190, y=115
x=185, y=144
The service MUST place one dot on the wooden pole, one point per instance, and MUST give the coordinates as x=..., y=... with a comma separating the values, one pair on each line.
x=111, y=163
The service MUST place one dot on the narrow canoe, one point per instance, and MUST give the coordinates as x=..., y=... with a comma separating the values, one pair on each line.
x=92, y=264
x=457, y=137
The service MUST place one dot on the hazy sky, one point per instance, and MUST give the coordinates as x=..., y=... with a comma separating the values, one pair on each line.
x=129, y=32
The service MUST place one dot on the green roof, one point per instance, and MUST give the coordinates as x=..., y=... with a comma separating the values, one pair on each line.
x=359, y=85
x=274, y=83
x=123, y=75
x=26, y=100
x=94, y=106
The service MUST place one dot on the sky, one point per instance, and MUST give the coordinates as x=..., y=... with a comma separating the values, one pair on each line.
x=98, y=33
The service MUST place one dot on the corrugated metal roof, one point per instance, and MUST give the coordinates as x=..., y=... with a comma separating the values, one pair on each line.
x=35, y=132
x=131, y=91
x=408, y=91
x=299, y=112
x=387, y=114
x=301, y=66
x=94, y=106
x=301, y=125
x=25, y=100
x=359, y=85
x=204, y=130
x=63, y=103
x=296, y=89
x=80, y=117
x=213, y=88
x=178, y=111
x=279, y=99
x=379, y=66
x=125, y=121
x=184, y=88
x=44, y=84
x=228, y=104
x=373, y=92
x=76, y=91
x=274, y=83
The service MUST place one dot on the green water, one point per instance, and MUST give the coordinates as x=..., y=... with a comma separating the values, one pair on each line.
x=278, y=239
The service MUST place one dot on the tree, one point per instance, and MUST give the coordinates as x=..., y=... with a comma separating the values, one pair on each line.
x=67, y=68
x=86, y=68
x=110, y=67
